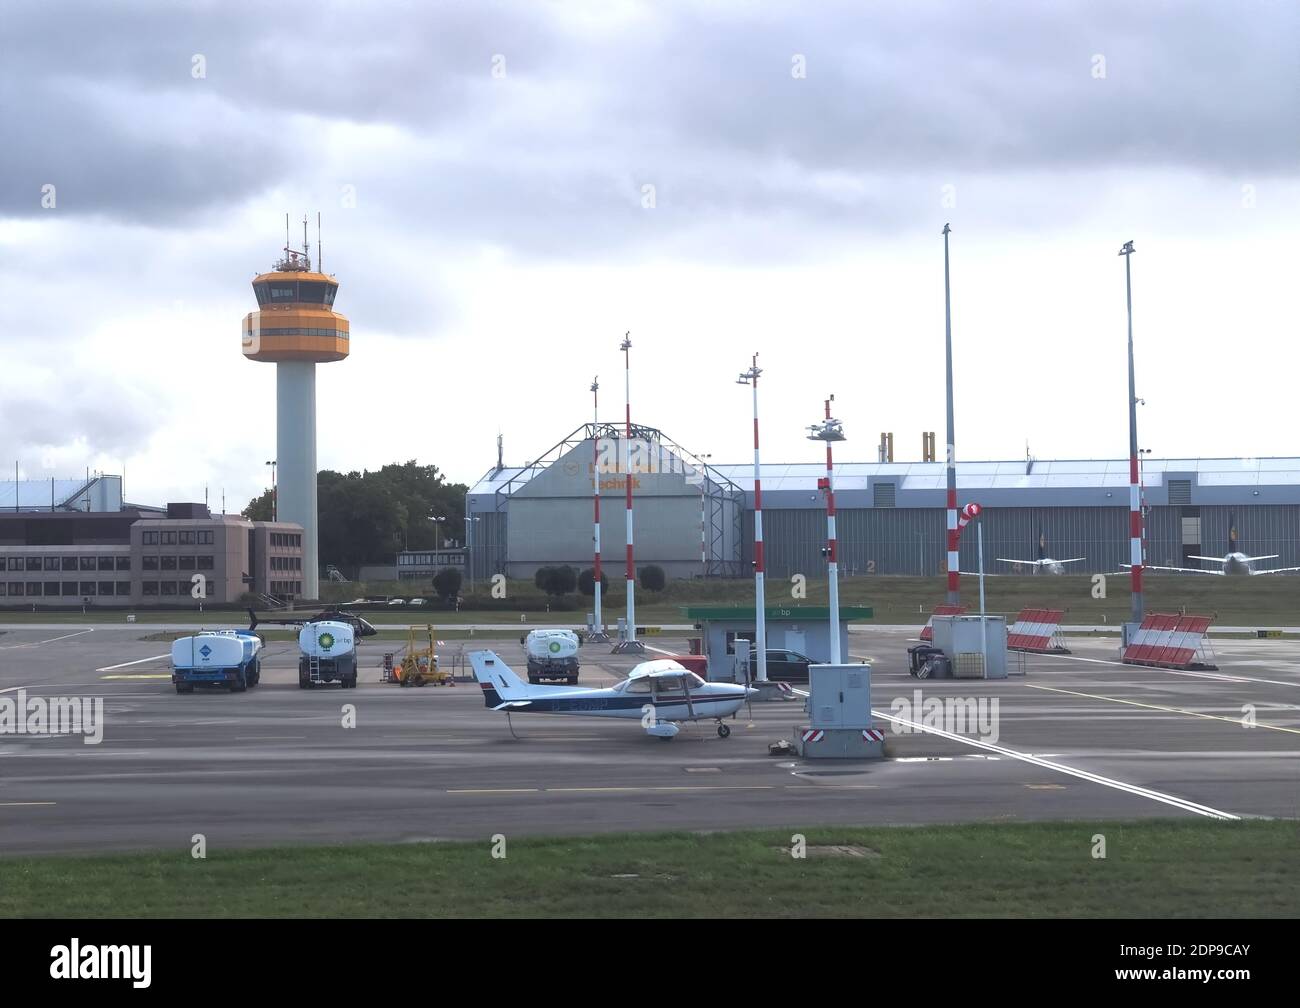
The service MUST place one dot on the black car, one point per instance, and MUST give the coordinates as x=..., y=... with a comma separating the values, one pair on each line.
x=782, y=666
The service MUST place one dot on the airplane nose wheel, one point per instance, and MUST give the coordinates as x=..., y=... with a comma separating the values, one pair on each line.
x=723, y=730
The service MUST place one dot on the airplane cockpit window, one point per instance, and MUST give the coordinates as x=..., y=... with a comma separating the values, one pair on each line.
x=693, y=681
x=668, y=684
x=637, y=685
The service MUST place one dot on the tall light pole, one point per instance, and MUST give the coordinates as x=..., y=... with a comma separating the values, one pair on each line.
x=954, y=562
x=629, y=642
x=750, y=378
x=598, y=634
x=830, y=431
x=275, y=504
x=1135, y=490
x=469, y=549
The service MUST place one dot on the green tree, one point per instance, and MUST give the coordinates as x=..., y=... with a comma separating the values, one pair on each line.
x=587, y=582
x=652, y=578
x=447, y=583
x=544, y=579
x=565, y=580
x=260, y=508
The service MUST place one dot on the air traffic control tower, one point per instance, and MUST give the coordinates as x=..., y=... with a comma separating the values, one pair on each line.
x=295, y=328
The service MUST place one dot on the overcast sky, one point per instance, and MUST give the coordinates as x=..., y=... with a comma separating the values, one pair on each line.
x=508, y=187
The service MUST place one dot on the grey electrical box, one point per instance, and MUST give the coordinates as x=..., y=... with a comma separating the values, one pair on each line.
x=976, y=646
x=839, y=696
x=741, y=651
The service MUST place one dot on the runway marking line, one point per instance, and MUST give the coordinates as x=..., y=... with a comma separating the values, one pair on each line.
x=1224, y=677
x=24, y=804
x=128, y=664
x=1133, y=789
x=1168, y=710
x=139, y=675
x=14, y=647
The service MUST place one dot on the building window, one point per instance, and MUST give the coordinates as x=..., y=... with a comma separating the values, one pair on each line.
x=33, y=563
x=149, y=539
x=169, y=587
x=87, y=587
x=15, y=587
x=203, y=563
x=88, y=563
x=149, y=563
x=123, y=588
x=167, y=563
x=185, y=563
x=4, y=588
x=123, y=564
x=15, y=563
x=69, y=564
x=106, y=563
x=186, y=538
x=68, y=588
x=205, y=538
x=52, y=563
x=149, y=587
x=33, y=587
x=106, y=587
x=51, y=587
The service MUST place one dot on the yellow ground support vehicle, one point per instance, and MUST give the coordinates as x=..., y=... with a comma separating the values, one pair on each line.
x=419, y=665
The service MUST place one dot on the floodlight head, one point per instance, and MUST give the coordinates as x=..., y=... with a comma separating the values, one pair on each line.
x=828, y=430
x=627, y=341
x=1127, y=249
x=595, y=384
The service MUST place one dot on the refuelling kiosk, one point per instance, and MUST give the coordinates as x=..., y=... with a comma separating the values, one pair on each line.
x=804, y=630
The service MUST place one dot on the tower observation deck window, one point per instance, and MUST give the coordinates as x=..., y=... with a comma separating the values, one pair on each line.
x=291, y=291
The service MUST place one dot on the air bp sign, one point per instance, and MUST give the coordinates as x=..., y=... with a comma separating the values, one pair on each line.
x=555, y=647
x=325, y=640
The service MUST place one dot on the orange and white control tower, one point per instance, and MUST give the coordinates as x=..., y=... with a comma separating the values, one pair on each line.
x=295, y=328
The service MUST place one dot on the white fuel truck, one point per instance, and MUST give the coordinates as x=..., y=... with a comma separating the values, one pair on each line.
x=327, y=653
x=552, y=654
x=216, y=658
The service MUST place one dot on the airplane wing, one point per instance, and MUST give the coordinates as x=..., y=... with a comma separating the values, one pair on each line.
x=1075, y=560
x=1277, y=570
x=1218, y=560
x=1176, y=570
x=977, y=574
x=512, y=705
x=1031, y=563
x=1271, y=556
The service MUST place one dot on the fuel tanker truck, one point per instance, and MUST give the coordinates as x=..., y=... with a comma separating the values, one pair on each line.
x=216, y=658
x=327, y=653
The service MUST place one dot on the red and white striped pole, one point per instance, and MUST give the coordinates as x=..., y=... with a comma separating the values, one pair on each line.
x=630, y=638
x=750, y=378
x=829, y=431
x=1135, y=490
x=954, y=560
x=599, y=627
x=833, y=571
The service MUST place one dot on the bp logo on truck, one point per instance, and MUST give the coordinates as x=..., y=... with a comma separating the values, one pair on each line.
x=325, y=640
x=555, y=647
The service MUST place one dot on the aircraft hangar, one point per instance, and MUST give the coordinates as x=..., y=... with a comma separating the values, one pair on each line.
x=696, y=519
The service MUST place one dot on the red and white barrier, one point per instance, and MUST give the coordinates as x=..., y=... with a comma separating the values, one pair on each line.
x=1171, y=641
x=813, y=735
x=945, y=609
x=1037, y=631
x=872, y=735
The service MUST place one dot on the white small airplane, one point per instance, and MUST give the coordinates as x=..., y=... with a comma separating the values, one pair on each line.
x=659, y=693
x=1044, y=562
x=1233, y=564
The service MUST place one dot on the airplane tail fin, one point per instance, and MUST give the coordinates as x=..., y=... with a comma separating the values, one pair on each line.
x=499, y=682
x=1042, y=545
x=1232, y=533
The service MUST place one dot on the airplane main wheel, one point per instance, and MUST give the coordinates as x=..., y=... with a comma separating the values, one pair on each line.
x=723, y=731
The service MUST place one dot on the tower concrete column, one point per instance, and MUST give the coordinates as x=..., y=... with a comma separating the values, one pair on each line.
x=295, y=437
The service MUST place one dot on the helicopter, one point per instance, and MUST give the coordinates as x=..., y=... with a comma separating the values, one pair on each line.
x=360, y=626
